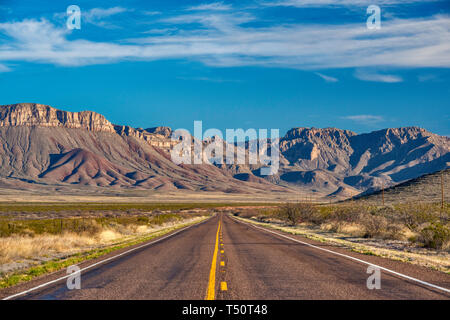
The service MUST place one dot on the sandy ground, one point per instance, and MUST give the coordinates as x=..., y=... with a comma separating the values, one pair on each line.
x=7, y=195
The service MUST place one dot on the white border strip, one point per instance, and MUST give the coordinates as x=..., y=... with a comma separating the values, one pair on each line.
x=349, y=257
x=103, y=261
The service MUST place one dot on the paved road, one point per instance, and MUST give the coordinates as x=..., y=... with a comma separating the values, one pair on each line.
x=249, y=264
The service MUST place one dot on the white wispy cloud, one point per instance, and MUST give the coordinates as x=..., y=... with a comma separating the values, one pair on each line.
x=322, y=3
x=151, y=13
x=98, y=13
x=160, y=30
x=97, y=16
x=377, y=77
x=225, y=22
x=327, y=78
x=366, y=119
x=215, y=6
x=225, y=39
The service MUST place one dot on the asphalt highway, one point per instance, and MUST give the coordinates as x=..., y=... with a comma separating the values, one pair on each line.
x=224, y=258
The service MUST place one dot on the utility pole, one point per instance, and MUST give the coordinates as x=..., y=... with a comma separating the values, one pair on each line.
x=442, y=190
x=382, y=192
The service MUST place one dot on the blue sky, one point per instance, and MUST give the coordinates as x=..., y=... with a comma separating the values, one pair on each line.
x=233, y=64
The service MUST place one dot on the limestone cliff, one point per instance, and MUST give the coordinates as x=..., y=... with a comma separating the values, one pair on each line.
x=33, y=114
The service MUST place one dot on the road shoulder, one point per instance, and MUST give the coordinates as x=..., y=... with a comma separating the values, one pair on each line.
x=416, y=271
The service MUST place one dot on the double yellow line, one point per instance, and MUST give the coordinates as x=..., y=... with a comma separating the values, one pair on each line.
x=210, y=294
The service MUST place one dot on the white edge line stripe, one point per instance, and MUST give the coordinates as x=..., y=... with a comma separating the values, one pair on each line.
x=103, y=261
x=350, y=257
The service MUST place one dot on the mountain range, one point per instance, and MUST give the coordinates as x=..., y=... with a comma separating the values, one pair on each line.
x=43, y=147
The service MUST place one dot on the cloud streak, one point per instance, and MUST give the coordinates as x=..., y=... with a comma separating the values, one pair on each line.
x=226, y=39
x=96, y=16
x=377, y=77
x=335, y=3
x=366, y=119
x=215, y=6
x=327, y=78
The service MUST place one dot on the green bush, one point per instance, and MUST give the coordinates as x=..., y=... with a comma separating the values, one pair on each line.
x=435, y=235
x=414, y=215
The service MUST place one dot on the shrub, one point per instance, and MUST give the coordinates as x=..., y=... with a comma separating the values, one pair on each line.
x=346, y=214
x=374, y=225
x=294, y=213
x=289, y=213
x=436, y=235
x=414, y=215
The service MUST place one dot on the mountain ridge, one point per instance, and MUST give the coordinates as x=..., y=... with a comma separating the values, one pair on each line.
x=328, y=161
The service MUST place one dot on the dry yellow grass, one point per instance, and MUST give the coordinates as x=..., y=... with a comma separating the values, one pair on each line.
x=352, y=229
x=24, y=247
x=446, y=246
x=19, y=248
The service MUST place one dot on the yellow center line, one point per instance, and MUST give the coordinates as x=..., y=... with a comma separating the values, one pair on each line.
x=210, y=294
x=223, y=286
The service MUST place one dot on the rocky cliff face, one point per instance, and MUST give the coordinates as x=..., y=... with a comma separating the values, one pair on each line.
x=40, y=144
x=164, y=131
x=42, y=147
x=154, y=139
x=314, y=148
x=38, y=115
x=33, y=114
x=366, y=161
